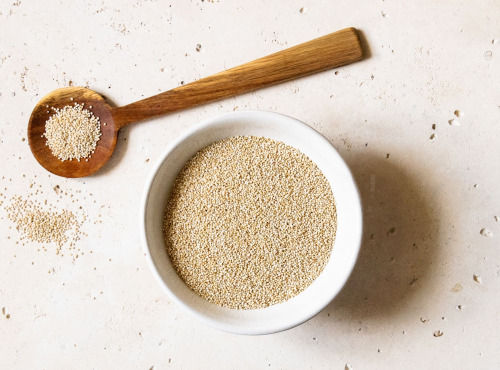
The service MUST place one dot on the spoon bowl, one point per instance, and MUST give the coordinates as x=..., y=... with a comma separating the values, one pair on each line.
x=58, y=99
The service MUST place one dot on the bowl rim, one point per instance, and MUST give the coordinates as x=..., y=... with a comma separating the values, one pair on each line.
x=217, y=324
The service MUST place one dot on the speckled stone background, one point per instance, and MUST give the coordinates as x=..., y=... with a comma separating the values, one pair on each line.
x=425, y=200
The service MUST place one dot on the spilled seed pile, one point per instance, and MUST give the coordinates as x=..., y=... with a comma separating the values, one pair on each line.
x=43, y=226
x=53, y=222
x=250, y=222
x=72, y=132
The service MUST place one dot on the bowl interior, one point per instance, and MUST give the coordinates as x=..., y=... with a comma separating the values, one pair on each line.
x=349, y=221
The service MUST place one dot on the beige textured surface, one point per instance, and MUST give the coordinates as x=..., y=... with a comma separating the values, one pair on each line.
x=425, y=203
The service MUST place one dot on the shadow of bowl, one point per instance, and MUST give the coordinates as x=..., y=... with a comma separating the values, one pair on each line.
x=401, y=228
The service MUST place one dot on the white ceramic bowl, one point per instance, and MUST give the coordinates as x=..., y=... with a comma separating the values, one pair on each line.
x=349, y=221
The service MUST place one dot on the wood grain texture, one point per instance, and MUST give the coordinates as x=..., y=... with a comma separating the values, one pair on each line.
x=330, y=51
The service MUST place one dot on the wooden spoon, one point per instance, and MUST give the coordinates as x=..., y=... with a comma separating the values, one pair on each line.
x=330, y=51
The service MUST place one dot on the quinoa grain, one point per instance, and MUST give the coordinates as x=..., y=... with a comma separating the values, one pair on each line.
x=43, y=226
x=72, y=132
x=250, y=222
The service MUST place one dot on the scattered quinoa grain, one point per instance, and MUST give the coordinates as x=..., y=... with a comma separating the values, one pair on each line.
x=250, y=222
x=38, y=222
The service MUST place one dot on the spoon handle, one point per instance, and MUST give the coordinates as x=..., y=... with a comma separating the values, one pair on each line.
x=330, y=51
